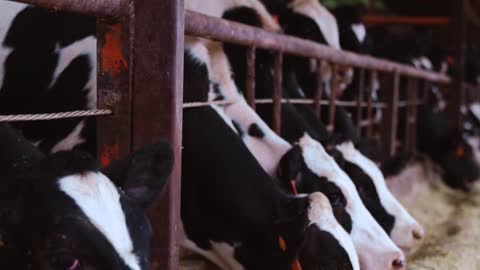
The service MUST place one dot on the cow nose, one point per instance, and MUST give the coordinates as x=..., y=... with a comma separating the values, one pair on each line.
x=418, y=232
x=398, y=262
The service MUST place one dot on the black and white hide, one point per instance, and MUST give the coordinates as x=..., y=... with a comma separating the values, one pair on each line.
x=236, y=216
x=62, y=211
x=48, y=64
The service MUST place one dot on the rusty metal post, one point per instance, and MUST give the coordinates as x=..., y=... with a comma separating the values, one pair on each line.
x=157, y=109
x=250, y=83
x=410, y=112
x=317, y=95
x=457, y=95
x=114, y=89
x=389, y=121
x=373, y=76
x=103, y=8
x=426, y=92
x=360, y=99
x=332, y=99
x=277, y=92
x=414, y=115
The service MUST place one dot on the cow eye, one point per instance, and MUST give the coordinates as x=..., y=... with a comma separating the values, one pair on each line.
x=336, y=199
x=65, y=261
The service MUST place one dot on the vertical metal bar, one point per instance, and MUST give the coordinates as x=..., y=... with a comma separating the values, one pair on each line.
x=317, y=95
x=389, y=121
x=157, y=110
x=277, y=92
x=459, y=31
x=360, y=98
x=114, y=89
x=413, y=116
x=408, y=114
x=426, y=92
x=373, y=78
x=250, y=83
x=332, y=99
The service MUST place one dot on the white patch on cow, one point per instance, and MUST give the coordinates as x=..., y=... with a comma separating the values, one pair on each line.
x=416, y=63
x=467, y=126
x=227, y=253
x=405, y=225
x=375, y=249
x=474, y=142
x=267, y=150
x=475, y=109
x=66, y=55
x=359, y=31
x=217, y=8
x=73, y=139
x=444, y=67
x=426, y=63
x=320, y=213
x=99, y=200
x=321, y=16
x=9, y=12
x=197, y=49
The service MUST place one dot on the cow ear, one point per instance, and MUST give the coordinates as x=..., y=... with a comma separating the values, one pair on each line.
x=17, y=153
x=142, y=175
x=290, y=166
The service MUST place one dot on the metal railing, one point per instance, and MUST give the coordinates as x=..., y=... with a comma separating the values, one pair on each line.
x=392, y=73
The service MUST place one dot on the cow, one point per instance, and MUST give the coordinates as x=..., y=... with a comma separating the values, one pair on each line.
x=397, y=262
x=57, y=74
x=456, y=156
x=294, y=126
x=236, y=215
x=308, y=158
x=62, y=211
x=396, y=221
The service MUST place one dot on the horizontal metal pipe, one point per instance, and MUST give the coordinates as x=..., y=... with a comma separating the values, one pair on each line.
x=429, y=20
x=408, y=103
x=221, y=30
x=380, y=105
x=99, y=8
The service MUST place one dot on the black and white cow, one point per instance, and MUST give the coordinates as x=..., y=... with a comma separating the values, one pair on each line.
x=62, y=211
x=236, y=216
x=48, y=64
x=456, y=156
x=370, y=182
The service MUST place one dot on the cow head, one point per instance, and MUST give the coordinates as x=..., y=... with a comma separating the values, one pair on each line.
x=389, y=213
x=326, y=244
x=308, y=19
x=63, y=212
x=312, y=169
x=459, y=164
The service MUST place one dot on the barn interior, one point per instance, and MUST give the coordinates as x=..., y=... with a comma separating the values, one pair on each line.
x=413, y=113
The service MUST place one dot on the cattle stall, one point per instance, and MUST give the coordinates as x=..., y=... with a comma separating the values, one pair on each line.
x=139, y=82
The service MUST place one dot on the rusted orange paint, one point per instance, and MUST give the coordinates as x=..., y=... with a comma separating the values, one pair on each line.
x=113, y=61
x=296, y=265
x=282, y=244
x=110, y=153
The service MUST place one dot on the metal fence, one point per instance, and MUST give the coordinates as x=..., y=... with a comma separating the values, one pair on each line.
x=391, y=74
x=140, y=74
